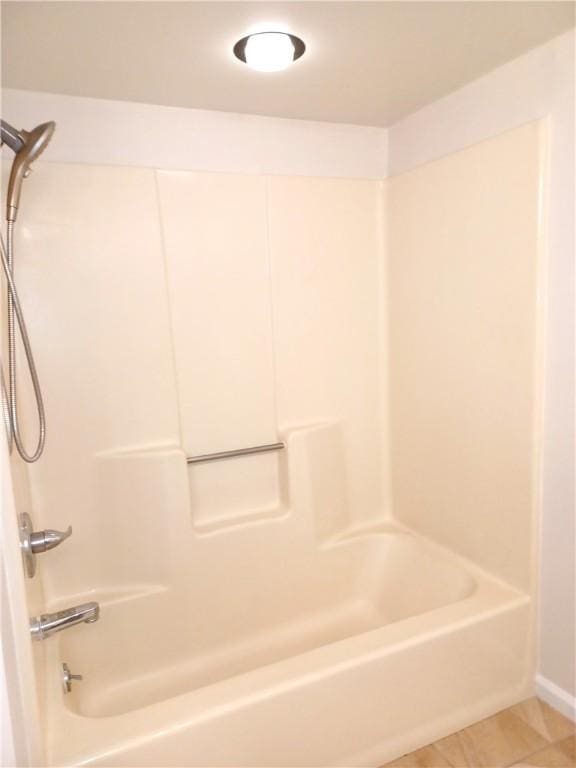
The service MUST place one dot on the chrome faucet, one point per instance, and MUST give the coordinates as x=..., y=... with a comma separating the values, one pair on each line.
x=48, y=624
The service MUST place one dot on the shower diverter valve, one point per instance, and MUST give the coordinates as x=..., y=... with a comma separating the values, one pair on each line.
x=32, y=542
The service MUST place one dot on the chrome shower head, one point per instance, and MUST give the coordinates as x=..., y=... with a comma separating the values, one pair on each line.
x=27, y=145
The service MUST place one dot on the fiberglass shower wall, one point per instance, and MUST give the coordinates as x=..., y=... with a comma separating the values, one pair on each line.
x=207, y=311
x=185, y=313
x=465, y=306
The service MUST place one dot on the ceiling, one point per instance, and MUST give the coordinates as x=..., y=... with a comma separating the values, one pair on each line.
x=368, y=63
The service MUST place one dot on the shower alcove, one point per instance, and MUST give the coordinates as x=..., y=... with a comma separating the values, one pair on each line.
x=354, y=595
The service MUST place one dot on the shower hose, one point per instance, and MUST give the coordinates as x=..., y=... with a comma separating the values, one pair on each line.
x=10, y=400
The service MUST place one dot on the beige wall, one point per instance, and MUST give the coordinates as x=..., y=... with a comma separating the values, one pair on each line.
x=538, y=85
x=20, y=717
x=213, y=311
x=463, y=253
x=192, y=312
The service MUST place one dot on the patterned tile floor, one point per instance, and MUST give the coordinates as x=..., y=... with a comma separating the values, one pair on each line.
x=528, y=735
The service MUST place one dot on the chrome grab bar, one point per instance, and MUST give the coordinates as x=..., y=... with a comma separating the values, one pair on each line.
x=233, y=454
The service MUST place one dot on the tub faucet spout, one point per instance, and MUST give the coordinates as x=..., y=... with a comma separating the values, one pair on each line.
x=48, y=624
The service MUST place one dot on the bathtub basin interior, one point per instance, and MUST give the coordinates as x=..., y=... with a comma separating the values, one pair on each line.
x=157, y=646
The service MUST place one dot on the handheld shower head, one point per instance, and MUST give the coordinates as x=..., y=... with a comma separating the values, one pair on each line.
x=27, y=145
x=10, y=136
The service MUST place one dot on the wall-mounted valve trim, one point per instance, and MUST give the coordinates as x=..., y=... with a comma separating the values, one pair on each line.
x=68, y=677
x=32, y=542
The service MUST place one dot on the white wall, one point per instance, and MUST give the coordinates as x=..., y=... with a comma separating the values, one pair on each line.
x=536, y=85
x=104, y=132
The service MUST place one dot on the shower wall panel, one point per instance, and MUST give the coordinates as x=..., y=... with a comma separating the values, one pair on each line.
x=178, y=313
x=464, y=235
x=216, y=248
x=88, y=256
x=215, y=236
x=326, y=251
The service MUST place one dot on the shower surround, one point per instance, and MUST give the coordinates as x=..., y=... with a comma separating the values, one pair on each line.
x=366, y=590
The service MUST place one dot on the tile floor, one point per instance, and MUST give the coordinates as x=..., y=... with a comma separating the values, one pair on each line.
x=528, y=735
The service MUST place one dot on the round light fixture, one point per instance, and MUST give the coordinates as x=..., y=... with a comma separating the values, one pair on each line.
x=269, y=51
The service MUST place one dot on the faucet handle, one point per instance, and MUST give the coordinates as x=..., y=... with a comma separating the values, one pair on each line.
x=32, y=542
x=42, y=541
x=67, y=677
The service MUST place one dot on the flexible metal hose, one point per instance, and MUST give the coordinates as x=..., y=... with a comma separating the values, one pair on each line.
x=10, y=401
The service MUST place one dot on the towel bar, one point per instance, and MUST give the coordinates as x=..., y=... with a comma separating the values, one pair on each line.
x=233, y=454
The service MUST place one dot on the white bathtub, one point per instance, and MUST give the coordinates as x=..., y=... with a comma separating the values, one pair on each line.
x=361, y=650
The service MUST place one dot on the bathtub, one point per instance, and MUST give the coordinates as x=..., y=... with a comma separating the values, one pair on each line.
x=363, y=649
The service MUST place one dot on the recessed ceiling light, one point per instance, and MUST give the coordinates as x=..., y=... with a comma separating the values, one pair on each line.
x=269, y=51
